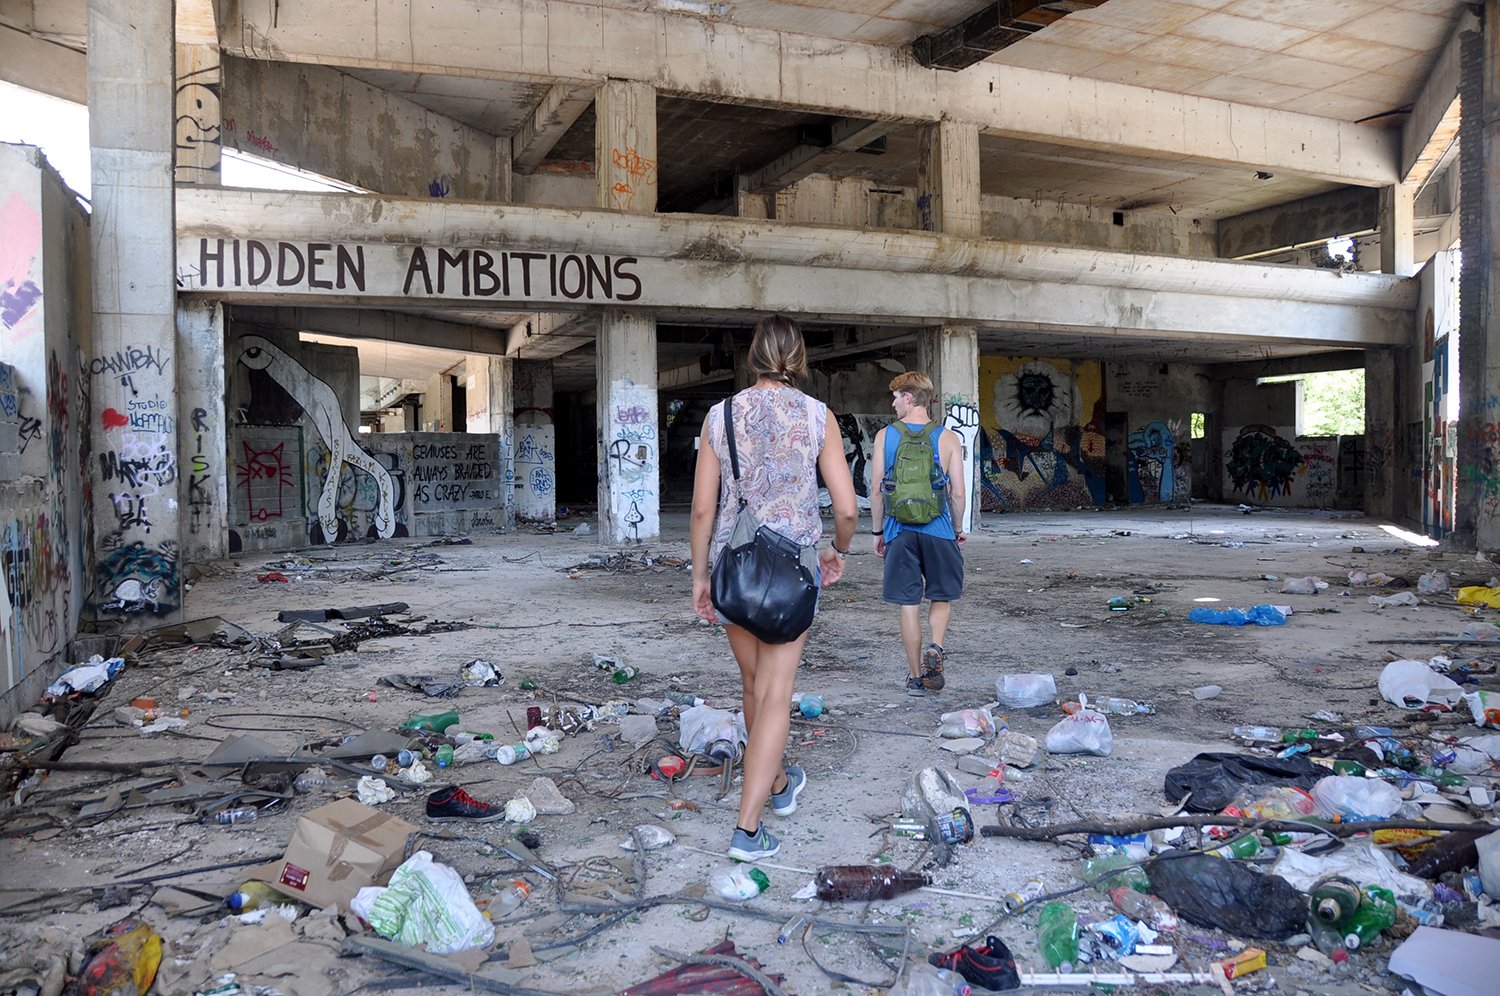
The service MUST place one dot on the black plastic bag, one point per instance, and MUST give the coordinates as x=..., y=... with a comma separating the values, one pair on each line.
x=1215, y=892
x=1215, y=779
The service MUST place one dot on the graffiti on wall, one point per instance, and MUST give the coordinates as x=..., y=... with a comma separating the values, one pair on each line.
x=322, y=407
x=1044, y=420
x=1151, y=464
x=1317, y=478
x=136, y=577
x=199, y=140
x=536, y=469
x=632, y=464
x=357, y=501
x=454, y=475
x=20, y=268
x=1261, y=463
x=963, y=419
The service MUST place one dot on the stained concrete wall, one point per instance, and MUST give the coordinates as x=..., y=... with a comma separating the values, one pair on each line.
x=46, y=537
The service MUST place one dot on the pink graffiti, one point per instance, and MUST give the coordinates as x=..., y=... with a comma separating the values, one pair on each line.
x=20, y=246
x=634, y=415
x=261, y=142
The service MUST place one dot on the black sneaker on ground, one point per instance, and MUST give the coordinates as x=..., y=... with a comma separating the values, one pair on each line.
x=914, y=686
x=990, y=966
x=932, y=668
x=454, y=805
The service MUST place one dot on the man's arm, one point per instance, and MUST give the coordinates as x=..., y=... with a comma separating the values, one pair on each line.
x=952, y=453
x=877, y=475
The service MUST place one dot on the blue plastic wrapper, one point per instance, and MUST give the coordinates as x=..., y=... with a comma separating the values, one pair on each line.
x=1260, y=615
x=1119, y=935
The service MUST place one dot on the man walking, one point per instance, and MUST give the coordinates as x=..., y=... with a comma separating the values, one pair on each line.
x=920, y=496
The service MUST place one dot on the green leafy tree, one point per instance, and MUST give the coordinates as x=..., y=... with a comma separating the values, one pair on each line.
x=1335, y=403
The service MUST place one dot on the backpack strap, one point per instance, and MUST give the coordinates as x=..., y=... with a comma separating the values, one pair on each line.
x=932, y=431
x=734, y=457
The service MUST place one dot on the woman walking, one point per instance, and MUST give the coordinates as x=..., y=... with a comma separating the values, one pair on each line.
x=783, y=439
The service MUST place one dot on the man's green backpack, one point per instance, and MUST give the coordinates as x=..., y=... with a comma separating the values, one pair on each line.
x=915, y=482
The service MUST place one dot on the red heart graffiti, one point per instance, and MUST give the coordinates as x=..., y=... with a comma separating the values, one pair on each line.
x=113, y=419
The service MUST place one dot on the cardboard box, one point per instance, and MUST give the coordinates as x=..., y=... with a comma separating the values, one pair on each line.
x=335, y=851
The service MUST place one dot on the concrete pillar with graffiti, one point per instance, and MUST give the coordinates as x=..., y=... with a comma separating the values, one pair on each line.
x=950, y=356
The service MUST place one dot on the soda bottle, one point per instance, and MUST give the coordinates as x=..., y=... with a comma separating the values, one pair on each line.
x=1335, y=899
x=444, y=756
x=252, y=896
x=511, y=753
x=1293, y=736
x=1028, y=893
x=1241, y=847
x=1148, y=909
x=1343, y=766
x=1328, y=939
x=624, y=674
x=738, y=884
x=378, y=763
x=1057, y=936
x=227, y=817
x=859, y=883
x=1376, y=912
x=435, y=722
x=512, y=896
x=1112, y=870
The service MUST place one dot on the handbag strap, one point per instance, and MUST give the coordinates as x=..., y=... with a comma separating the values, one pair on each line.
x=734, y=457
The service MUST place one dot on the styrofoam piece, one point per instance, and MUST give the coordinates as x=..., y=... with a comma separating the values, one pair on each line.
x=1450, y=962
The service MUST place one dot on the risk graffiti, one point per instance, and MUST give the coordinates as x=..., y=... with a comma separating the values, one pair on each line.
x=200, y=500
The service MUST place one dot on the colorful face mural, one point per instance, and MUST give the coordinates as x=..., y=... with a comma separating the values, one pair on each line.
x=1041, y=440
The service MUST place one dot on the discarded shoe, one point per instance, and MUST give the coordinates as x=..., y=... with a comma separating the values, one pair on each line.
x=454, y=805
x=990, y=966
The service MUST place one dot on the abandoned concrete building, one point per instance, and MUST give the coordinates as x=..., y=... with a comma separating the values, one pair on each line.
x=1100, y=226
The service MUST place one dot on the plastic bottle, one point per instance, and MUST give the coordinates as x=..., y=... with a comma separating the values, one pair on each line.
x=511, y=897
x=252, y=896
x=811, y=706
x=511, y=753
x=1028, y=893
x=312, y=780
x=1110, y=871
x=435, y=722
x=405, y=758
x=1328, y=939
x=624, y=674
x=1293, y=736
x=738, y=884
x=925, y=980
x=244, y=814
x=1125, y=707
x=378, y=763
x=1335, y=899
x=857, y=883
x=1247, y=846
x=1344, y=766
x=1057, y=936
x=1140, y=906
x=444, y=756
x=1261, y=734
x=1377, y=912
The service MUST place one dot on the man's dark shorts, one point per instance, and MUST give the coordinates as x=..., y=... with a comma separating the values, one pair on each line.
x=913, y=556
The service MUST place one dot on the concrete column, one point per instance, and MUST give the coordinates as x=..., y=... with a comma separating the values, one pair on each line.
x=950, y=356
x=197, y=133
x=502, y=188
x=137, y=527
x=625, y=147
x=203, y=495
x=536, y=442
x=1477, y=506
x=1398, y=230
x=1382, y=409
x=948, y=178
x=629, y=446
x=488, y=401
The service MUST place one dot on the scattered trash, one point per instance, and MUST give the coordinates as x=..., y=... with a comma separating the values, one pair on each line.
x=520, y=810
x=1260, y=615
x=335, y=851
x=966, y=723
x=1204, y=692
x=1478, y=595
x=737, y=883
x=480, y=673
x=1025, y=691
x=429, y=685
x=1017, y=749
x=1303, y=586
x=1432, y=583
x=1413, y=684
x=653, y=837
x=1355, y=799
x=89, y=676
x=712, y=732
x=122, y=962
x=373, y=791
x=427, y=905
x=1211, y=781
x=1227, y=895
x=931, y=791
x=1398, y=600
x=1448, y=961
x=1083, y=732
x=863, y=883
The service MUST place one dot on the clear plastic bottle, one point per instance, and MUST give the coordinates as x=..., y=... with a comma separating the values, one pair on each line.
x=1259, y=734
x=1124, y=707
x=1146, y=908
x=738, y=884
x=228, y=817
x=925, y=980
x=378, y=763
x=510, y=898
x=1328, y=939
x=511, y=753
x=1110, y=871
x=860, y=883
x=312, y=780
x=1057, y=936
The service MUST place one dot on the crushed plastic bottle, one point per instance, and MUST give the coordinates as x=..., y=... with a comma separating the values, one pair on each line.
x=1258, y=734
x=737, y=884
x=1113, y=870
x=810, y=706
x=312, y=780
x=510, y=898
x=924, y=980
x=228, y=817
x=1057, y=936
x=1124, y=707
x=511, y=753
x=1146, y=908
x=861, y=883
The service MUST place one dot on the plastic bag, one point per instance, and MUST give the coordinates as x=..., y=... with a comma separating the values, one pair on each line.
x=715, y=733
x=1227, y=895
x=1024, y=691
x=1276, y=802
x=1413, y=684
x=1084, y=732
x=1398, y=600
x=89, y=676
x=1215, y=780
x=1260, y=615
x=1478, y=595
x=966, y=723
x=425, y=904
x=1355, y=799
x=1432, y=583
x=1302, y=586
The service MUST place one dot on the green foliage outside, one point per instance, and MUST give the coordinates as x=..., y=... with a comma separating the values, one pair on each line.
x=1334, y=403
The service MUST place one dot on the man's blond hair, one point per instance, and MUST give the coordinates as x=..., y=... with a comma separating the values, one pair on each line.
x=917, y=384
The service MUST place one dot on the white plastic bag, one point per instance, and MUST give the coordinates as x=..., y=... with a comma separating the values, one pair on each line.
x=1023, y=691
x=425, y=904
x=1412, y=685
x=1404, y=598
x=1084, y=732
x=1433, y=583
x=1352, y=798
x=966, y=723
x=713, y=732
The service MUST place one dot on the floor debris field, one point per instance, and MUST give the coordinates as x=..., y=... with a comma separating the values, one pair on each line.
x=1194, y=750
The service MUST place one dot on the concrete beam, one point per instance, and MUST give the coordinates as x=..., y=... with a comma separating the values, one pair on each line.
x=549, y=120
x=1432, y=127
x=329, y=123
x=1344, y=359
x=367, y=323
x=45, y=66
x=60, y=21
x=849, y=135
x=693, y=264
x=1336, y=214
x=548, y=335
x=678, y=54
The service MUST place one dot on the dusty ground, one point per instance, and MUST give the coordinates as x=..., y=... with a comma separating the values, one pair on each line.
x=1036, y=601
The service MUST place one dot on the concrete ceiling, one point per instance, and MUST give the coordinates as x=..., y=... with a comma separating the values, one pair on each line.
x=493, y=106
x=401, y=360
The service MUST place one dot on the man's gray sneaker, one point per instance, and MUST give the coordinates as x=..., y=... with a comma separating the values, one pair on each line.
x=784, y=803
x=743, y=847
x=932, y=668
x=914, y=686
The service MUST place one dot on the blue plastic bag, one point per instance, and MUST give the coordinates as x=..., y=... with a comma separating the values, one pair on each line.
x=1260, y=615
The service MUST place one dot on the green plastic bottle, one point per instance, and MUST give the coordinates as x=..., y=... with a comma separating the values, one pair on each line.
x=1376, y=912
x=1343, y=766
x=1247, y=846
x=1057, y=936
x=1110, y=871
x=1335, y=899
x=435, y=722
x=1293, y=736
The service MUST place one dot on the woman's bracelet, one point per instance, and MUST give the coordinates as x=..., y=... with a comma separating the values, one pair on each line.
x=834, y=547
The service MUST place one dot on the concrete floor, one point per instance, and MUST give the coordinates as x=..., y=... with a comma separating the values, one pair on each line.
x=543, y=604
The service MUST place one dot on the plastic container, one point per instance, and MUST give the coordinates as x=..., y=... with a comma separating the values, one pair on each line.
x=252, y=896
x=1258, y=734
x=511, y=753
x=1123, y=707
x=435, y=722
x=1334, y=900
x=810, y=706
x=860, y=883
x=228, y=817
x=1148, y=909
x=1294, y=736
x=378, y=763
x=956, y=827
x=1276, y=802
x=1247, y=846
x=1328, y=939
x=312, y=780
x=925, y=980
x=738, y=884
x=510, y=898
x=1110, y=871
x=405, y=758
x=1057, y=936
x=443, y=756
x=966, y=723
x=1376, y=912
